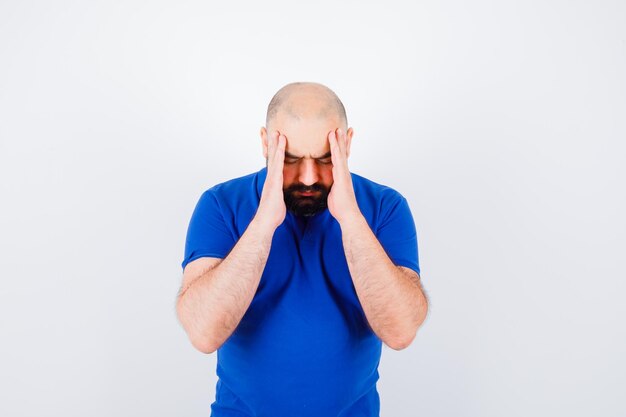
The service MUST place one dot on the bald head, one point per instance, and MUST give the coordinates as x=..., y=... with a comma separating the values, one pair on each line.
x=304, y=100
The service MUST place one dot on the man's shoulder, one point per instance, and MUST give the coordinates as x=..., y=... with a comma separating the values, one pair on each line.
x=378, y=202
x=364, y=187
x=233, y=186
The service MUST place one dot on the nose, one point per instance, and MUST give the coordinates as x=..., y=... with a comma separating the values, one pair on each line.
x=308, y=172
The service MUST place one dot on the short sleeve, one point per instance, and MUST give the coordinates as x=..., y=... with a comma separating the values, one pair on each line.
x=208, y=234
x=396, y=233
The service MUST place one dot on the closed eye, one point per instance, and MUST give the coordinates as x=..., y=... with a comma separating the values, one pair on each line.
x=324, y=160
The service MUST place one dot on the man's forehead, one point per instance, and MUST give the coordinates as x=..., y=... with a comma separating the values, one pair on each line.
x=307, y=139
x=318, y=155
x=311, y=146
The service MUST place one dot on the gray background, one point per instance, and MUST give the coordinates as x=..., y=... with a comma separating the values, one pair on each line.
x=502, y=122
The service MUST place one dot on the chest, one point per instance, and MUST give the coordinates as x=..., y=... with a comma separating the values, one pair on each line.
x=307, y=263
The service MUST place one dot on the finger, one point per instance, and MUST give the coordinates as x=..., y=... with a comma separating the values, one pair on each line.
x=337, y=150
x=281, y=142
x=270, y=145
x=276, y=144
x=334, y=147
x=279, y=155
x=273, y=146
x=337, y=159
x=341, y=138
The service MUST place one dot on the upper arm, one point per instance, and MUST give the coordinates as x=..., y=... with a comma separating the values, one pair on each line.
x=411, y=273
x=415, y=277
x=208, y=234
x=396, y=232
x=195, y=269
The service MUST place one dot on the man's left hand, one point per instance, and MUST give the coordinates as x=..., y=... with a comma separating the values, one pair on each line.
x=342, y=202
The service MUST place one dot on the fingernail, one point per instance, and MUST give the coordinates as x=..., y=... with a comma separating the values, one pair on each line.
x=339, y=131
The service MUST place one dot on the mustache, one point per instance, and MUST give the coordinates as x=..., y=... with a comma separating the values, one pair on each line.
x=305, y=188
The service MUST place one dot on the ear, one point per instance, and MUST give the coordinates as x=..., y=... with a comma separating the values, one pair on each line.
x=349, y=134
x=264, y=141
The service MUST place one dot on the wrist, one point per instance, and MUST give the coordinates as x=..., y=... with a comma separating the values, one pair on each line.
x=354, y=221
x=260, y=225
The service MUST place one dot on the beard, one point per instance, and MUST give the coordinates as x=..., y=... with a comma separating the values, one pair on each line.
x=306, y=206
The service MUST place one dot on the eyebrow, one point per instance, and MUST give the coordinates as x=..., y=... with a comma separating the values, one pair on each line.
x=326, y=155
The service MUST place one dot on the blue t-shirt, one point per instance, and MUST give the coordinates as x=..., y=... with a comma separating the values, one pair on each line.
x=304, y=347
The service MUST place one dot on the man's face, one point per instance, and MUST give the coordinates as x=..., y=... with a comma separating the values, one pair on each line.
x=307, y=170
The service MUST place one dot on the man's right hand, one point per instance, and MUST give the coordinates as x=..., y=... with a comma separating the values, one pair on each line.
x=272, y=210
x=216, y=296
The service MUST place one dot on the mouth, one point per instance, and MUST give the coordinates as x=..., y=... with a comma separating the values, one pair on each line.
x=307, y=193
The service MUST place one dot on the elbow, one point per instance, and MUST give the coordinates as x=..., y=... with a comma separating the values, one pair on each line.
x=402, y=339
x=198, y=339
x=203, y=345
x=400, y=343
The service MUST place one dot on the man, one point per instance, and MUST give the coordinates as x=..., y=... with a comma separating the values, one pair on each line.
x=297, y=273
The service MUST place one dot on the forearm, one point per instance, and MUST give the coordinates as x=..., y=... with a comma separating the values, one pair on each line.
x=212, y=306
x=394, y=305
